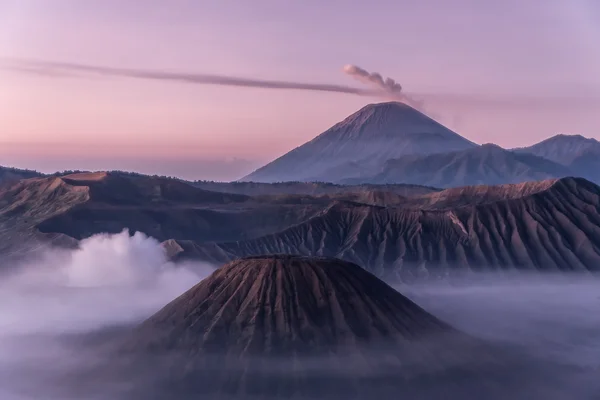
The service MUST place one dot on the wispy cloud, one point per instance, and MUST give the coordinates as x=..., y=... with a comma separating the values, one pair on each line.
x=53, y=68
x=565, y=99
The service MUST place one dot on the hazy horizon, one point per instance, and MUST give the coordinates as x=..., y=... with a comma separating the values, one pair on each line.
x=472, y=49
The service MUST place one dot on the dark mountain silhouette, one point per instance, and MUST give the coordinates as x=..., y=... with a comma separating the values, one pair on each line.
x=484, y=165
x=580, y=154
x=361, y=144
x=547, y=226
x=10, y=175
x=587, y=165
x=305, y=305
x=63, y=209
x=563, y=149
x=81, y=205
x=392, y=143
x=285, y=326
x=309, y=188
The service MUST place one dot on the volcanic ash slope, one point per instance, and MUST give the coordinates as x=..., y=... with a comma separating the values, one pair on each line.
x=281, y=326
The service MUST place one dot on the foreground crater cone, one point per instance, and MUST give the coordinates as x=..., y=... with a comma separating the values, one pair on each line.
x=283, y=326
x=284, y=305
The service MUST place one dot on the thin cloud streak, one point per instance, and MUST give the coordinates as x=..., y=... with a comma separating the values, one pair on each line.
x=52, y=68
x=380, y=88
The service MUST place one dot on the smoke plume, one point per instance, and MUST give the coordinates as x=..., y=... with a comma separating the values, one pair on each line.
x=380, y=87
x=55, y=68
x=109, y=279
x=387, y=86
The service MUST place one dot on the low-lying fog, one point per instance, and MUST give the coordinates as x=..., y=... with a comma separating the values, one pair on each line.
x=120, y=279
x=111, y=280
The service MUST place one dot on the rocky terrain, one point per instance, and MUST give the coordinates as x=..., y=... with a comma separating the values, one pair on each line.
x=80, y=205
x=302, y=327
x=547, y=226
x=162, y=208
x=285, y=304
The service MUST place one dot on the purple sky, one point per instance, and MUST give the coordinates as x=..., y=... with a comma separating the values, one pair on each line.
x=513, y=50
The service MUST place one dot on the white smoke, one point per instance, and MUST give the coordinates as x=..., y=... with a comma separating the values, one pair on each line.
x=116, y=259
x=110, y=279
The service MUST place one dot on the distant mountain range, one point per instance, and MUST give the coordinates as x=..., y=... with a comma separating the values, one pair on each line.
x=394, y=143
x=483, y=165
x=8, y=174
x=579, y=154
x=563, y=149
x=361, y=144
x=549, y=225
x=404, y=232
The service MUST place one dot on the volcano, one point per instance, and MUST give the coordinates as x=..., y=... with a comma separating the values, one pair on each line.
x=287, y=305
x=361, y=144
x=284, y=326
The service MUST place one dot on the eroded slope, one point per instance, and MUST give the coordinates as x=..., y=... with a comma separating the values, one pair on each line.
x=547, y=226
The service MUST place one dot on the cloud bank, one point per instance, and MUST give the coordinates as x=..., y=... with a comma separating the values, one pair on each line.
x=45, y=304
x=116, y=280
x=110, y=279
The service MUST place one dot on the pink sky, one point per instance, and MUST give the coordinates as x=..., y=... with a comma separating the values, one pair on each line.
x=509, y=49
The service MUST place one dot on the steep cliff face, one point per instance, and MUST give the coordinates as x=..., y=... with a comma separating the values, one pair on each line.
x=554, y=225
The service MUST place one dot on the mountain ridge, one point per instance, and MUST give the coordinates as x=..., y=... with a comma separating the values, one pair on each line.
x=548, y=227
x=561, y=148
x=487, y=164
x=365, y=139
x=578, y=153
